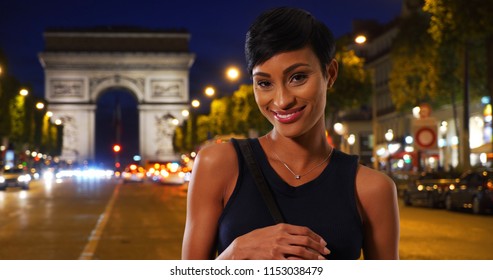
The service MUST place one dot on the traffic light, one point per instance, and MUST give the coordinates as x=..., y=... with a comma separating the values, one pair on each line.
x=116, y=148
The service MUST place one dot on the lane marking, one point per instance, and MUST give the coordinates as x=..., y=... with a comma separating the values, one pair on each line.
x=93, y=241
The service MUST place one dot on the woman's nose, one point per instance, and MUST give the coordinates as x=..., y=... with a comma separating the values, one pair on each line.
x=283, y=99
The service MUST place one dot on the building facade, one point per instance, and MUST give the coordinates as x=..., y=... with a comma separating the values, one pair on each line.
x=393, y=134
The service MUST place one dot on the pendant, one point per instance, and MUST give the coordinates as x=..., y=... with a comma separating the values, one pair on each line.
x=297, y=177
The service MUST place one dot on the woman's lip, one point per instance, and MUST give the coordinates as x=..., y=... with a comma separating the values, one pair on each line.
x=289, y=116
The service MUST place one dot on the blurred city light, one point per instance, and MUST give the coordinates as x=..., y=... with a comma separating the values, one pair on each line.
x=40, y=105
x=360, y=39
x=232, y=73
x=210, y=91
x=195, y=103
x=339, y=128
x=23, y=92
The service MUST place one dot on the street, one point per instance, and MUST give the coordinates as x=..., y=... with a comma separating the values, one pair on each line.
x=108, y=220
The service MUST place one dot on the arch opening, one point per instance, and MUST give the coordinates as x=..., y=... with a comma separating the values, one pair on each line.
x=117, y=122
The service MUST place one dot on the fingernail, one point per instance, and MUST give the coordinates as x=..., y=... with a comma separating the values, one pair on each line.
x=321, y=258
x=326, y=251
x=323, y=242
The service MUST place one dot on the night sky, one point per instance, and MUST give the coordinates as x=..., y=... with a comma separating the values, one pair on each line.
x=217, y=29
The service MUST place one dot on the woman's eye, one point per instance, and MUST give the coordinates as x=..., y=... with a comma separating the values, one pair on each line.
x=299, y=78
x=263, y=84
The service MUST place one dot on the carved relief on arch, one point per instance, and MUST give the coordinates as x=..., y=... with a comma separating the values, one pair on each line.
x=70, y=149
x=167, y=90
x=165, y=128
x=99, y=84
x=63, y=88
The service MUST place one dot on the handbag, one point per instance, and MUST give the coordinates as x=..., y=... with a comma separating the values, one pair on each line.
x=260, y=181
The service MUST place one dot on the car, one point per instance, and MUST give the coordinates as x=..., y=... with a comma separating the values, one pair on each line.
x=429, y=189
x=133, y=173
x=473, y=191
x=167, y=172
x=14, y=177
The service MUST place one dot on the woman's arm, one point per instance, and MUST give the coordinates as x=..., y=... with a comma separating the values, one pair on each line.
x=215, y=171
x=278, y=242
x=377, y=196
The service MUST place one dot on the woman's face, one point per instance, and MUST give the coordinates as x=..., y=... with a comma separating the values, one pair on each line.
x=290, y=90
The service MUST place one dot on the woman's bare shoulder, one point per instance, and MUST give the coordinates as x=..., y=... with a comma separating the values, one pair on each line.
x=215, y=168
x=373, y=185
x=219, y=155
x=379, y=210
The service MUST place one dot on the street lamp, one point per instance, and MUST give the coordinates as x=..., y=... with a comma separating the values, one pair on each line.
x=389, y=136
x=232, y=73
x=39, y=123
x=40, y=105
x=192, y=124
x=360, y=39
x=210, y=91
x=351, y=140
x=340, y=130
x=23, y=92
x=195, y=103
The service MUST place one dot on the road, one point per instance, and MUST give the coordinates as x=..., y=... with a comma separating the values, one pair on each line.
x=108, y=220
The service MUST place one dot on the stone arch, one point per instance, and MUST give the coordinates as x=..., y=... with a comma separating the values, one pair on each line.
x=101, y=85
x=80, y=65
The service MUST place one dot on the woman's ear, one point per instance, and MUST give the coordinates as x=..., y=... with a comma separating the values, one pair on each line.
x=332, y=70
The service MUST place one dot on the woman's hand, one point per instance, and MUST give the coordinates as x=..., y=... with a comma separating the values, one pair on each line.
x=278, y=242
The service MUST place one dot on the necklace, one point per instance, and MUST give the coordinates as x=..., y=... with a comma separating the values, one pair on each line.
x=298, y=176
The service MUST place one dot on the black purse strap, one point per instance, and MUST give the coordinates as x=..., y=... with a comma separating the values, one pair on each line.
x=264, y=189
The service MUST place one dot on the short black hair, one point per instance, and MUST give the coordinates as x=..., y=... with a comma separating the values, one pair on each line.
x=287, y=29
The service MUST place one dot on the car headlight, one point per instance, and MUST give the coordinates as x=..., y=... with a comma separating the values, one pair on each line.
x=24, y=178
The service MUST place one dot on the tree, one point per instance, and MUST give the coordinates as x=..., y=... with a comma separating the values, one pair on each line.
x=203, y=128
x=236, y=114
x=463, y=35
x=454, y=34
x=179, y=139
x=412, y=55
x=220, y=121
x=352, y=89
x=9, y=90
x=18, y=118
x=246, y=114
x=242, y=108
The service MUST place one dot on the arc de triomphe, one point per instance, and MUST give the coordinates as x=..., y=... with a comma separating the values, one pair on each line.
x=80, y=65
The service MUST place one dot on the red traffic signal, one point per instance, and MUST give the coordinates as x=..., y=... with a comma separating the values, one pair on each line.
x=116, y=148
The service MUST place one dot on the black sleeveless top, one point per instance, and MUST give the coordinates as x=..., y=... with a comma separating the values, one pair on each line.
x=326, y=205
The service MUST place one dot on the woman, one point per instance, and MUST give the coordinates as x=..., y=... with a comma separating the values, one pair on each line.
x=334, y=208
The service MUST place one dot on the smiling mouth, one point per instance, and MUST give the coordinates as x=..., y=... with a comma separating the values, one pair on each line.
x=285, y=116
x=288, y=116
